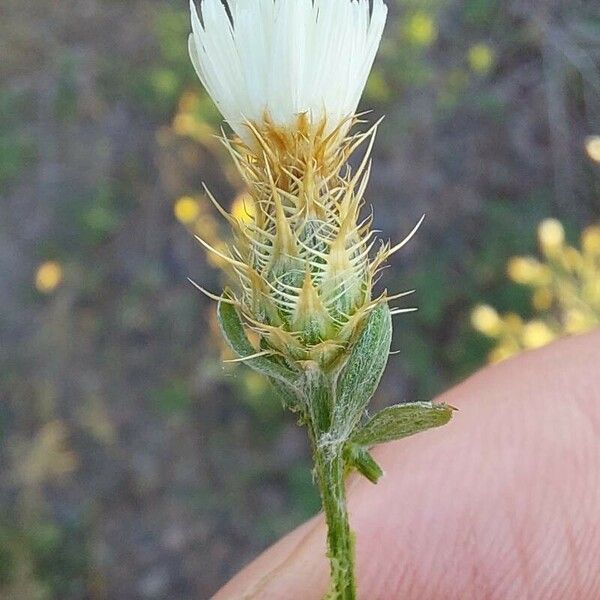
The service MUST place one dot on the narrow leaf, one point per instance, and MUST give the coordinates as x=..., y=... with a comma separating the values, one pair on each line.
x=233, y=331
x=358, y=457
x=361, y=374
x=401, y=421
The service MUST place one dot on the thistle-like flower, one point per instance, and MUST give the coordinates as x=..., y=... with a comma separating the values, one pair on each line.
x=287, y=75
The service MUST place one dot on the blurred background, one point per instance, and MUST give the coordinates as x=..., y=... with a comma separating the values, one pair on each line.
x=134, y=463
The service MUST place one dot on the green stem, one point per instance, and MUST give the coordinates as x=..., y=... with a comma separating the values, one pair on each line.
x=329, y=470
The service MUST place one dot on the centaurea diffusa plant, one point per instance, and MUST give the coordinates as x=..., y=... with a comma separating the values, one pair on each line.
x=287, y=75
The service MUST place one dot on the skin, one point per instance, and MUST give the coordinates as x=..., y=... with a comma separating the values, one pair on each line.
x=502, y=503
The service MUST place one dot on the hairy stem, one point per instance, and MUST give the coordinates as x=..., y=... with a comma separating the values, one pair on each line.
x=329, y=471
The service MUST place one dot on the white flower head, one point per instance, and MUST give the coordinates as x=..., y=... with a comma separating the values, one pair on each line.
x=278, y=59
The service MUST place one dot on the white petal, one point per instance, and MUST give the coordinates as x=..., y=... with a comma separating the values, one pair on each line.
x=285, y=57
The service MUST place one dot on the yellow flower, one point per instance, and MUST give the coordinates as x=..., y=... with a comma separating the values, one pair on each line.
x=481, y=58
x=572, y=259
x=184, y=124
x=187, y=210
x=566, y=292
x=486, y=320
x=592, y=293
x=576, y=321
x=592, y=147
x=537, y=334
x=526, y=270
x=551, y=235
x=48, y=277
x=242, y=208
x=421, y=29
x=542, y=299
x=590, y=240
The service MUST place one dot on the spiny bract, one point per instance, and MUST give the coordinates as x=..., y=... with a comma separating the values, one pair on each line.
x=300, y=261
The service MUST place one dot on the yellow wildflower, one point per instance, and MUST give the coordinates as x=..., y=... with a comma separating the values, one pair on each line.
x=421, y=29
x=48, y=277
x=592, y=147
x=551, y=235
x=537, y=334
x=187, y=210
x=481, y=58
x=486, y=320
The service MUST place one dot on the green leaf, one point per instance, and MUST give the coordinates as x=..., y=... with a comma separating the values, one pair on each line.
x=401, y=421
x=363, y=370
x=359, y=458
x=233, y=331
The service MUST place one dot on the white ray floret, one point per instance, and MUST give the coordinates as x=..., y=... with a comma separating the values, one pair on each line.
x=282, y=58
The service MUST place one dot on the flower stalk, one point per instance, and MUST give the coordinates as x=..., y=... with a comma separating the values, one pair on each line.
x=302, y=309
x=329, y=473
